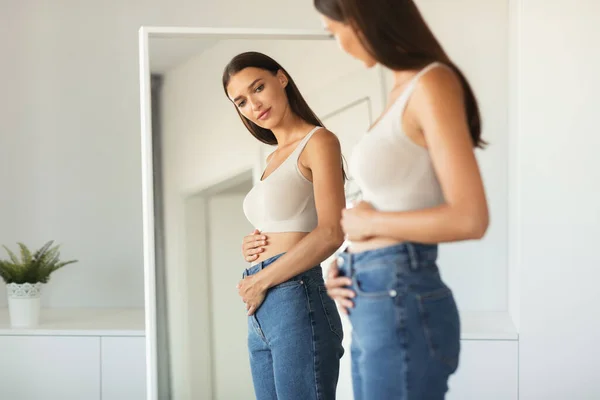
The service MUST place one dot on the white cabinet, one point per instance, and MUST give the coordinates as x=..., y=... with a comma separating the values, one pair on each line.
x=488, y=370
x=123, y=368
x=74, y=354
x=49, y=367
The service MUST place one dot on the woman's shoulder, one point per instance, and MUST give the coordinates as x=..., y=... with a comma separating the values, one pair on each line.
x=322, y=145
x=323, y=137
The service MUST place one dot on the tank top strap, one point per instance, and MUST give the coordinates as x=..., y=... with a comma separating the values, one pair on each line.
x=304, y=142
x=413, y=82
x=403, y=99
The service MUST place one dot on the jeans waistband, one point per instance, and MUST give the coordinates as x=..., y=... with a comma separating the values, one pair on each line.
x=265, y=263
x=413, y=255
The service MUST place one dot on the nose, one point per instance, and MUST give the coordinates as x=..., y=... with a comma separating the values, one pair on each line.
x=256, y=104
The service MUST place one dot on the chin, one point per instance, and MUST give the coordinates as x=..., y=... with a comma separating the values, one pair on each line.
x=272, y=122
x=370, y=63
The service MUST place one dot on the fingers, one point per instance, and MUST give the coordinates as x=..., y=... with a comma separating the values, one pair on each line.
x=252, y=245
x=337, y=289
x=339, y=293
x=253, y=238
x=345, y=305
x=252, y=253
x=333, y=270
x=338, y=282
x=255, y=247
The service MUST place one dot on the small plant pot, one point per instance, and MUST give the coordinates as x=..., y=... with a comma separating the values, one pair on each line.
x=24, y=304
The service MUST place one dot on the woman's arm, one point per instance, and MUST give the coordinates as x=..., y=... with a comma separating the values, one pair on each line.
x=437, y=110
x=322, y=156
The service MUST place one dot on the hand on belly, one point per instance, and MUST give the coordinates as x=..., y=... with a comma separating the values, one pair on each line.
x=256, y=249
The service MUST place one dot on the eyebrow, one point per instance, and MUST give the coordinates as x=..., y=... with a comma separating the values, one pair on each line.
x=249, y=86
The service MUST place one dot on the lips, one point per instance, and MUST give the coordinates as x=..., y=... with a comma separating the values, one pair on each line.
x=265, y=114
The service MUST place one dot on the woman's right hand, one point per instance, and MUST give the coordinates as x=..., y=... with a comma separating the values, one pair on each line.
x=337, y=288
x=252, y=245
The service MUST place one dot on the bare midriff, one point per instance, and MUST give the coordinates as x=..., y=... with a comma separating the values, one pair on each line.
x=371, y=244
x=278, y=243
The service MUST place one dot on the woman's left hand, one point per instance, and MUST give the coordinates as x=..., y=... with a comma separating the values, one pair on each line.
x=355, y=221
x=251, y=293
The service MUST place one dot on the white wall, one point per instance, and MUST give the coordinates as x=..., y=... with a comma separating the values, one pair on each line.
x=229, y=322
x=197, y=321
x=69, y=131
x=475, y=35
x=558, y=199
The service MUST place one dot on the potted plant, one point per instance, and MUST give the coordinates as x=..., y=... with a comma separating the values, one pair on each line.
x=24, y=278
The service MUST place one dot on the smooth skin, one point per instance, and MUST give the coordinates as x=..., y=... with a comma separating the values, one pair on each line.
x=260, y=96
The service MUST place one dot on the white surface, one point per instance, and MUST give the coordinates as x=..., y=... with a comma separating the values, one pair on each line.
x=488, y=370
x=480, y=325
x=24, y=312
x=514, y=209
x=475, y=35
x=198, y=326
x=164, y=54
x=40, y=367
x=228, y=314
x=559, y=171
x=148, y=194
x=123, y=368
x=80, y=322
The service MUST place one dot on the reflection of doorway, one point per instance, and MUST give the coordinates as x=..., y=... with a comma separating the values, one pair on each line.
x=215, y=226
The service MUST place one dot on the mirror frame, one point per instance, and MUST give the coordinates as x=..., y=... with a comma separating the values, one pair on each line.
x=144, y=35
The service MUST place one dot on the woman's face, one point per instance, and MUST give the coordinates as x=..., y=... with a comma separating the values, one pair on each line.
x=259, y=95
x=348, y=40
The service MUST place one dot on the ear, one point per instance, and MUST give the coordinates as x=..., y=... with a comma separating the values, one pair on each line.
x=282, y=77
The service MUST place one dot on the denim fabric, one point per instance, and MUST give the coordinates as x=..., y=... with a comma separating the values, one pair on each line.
x=295, y=339
x=405, y=324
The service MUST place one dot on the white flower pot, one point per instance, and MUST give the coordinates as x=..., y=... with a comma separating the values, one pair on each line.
x=24, y=304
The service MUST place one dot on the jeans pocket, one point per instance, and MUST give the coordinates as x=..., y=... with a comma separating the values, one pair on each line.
x=331, y=313
x=377, y=281
x=441, y=325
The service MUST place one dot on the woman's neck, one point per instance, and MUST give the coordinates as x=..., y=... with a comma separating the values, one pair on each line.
x=290, y=129
x=401, y=78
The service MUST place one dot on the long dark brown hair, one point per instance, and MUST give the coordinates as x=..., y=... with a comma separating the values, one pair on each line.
x=297, y=103
x=396, y=35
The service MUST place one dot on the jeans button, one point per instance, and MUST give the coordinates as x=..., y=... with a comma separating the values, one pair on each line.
x=393, y=293
x=340, y=261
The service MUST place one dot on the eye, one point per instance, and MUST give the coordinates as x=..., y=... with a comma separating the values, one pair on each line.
x=259, y=88
x=242, y=103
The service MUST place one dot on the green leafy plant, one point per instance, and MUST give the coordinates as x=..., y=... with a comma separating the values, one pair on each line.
x=32, y=268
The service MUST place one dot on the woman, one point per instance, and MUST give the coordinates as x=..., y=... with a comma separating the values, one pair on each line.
x=294, y=329
x=421, y=186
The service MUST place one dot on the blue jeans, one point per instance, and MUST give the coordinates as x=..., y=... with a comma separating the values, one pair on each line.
x=295, y=339
x=405, y=324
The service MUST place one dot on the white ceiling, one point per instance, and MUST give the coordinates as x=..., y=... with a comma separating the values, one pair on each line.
x=166, y=53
